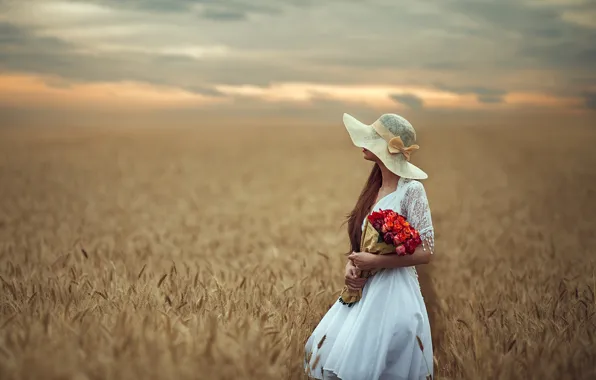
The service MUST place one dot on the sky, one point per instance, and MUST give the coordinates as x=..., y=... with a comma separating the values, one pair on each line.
x=303, y=61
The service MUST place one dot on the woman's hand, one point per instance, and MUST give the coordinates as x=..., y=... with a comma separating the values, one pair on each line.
x=352, y=278
x=364, y=260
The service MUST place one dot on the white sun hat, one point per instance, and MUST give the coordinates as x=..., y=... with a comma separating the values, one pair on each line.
x=391, y=138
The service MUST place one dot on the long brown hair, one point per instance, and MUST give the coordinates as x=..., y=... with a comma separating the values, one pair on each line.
x=363, y=206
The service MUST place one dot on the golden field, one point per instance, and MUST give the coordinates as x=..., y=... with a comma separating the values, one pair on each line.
x=212, y=253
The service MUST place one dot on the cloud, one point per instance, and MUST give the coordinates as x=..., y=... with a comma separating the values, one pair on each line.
x=590, y=99
x=480, y=51
x=375, y=97
x=21, y=39
x=409, y=100
x=534, y=34
x=478, y=90
x=483, y=94
x=585, y=18
x=244, y=7
x=223, y=14
x=222, y=10
x=53, y=92
x=564, y=56
x=202, y=90
x=490, y=98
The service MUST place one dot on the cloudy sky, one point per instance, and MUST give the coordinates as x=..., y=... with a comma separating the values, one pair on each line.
x=296, y=59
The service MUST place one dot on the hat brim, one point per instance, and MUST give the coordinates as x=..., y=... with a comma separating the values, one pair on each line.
x=364, y=136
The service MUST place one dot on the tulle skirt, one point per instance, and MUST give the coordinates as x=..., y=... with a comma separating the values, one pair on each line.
x=376, y=338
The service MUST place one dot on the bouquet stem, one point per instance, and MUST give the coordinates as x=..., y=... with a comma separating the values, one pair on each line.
x=349, y=297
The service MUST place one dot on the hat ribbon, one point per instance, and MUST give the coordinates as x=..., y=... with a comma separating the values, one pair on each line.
x=395, y=145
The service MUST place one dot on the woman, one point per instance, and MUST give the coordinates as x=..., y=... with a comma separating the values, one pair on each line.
x=386, y=334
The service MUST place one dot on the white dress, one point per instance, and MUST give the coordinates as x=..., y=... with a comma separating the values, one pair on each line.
x=375, y=339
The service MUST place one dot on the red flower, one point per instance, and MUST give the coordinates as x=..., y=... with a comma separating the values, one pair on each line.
x=410, y=246
x=402, y=236
x=395, y=230
x=388, y=237
x=400, y=250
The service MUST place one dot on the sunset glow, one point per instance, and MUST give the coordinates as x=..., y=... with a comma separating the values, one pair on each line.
x=263, y=59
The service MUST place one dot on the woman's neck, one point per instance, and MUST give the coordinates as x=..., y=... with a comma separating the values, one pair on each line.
x=389, y=179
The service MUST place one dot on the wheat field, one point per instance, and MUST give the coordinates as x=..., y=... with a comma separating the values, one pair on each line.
x=202, y=253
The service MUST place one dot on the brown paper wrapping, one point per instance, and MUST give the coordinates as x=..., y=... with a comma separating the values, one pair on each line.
x=369, y=243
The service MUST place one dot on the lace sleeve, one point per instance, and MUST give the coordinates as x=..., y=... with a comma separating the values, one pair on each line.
x=418, y=214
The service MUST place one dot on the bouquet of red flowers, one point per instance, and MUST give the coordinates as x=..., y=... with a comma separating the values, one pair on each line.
x=385, y=232
x=394, y=229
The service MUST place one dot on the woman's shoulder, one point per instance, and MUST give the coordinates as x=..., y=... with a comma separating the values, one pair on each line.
x=413, y=192
x=413, y=186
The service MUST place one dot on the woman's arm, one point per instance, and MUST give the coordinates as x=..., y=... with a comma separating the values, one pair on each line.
x=370, y=261
x=418, y=214
x=419, y=257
